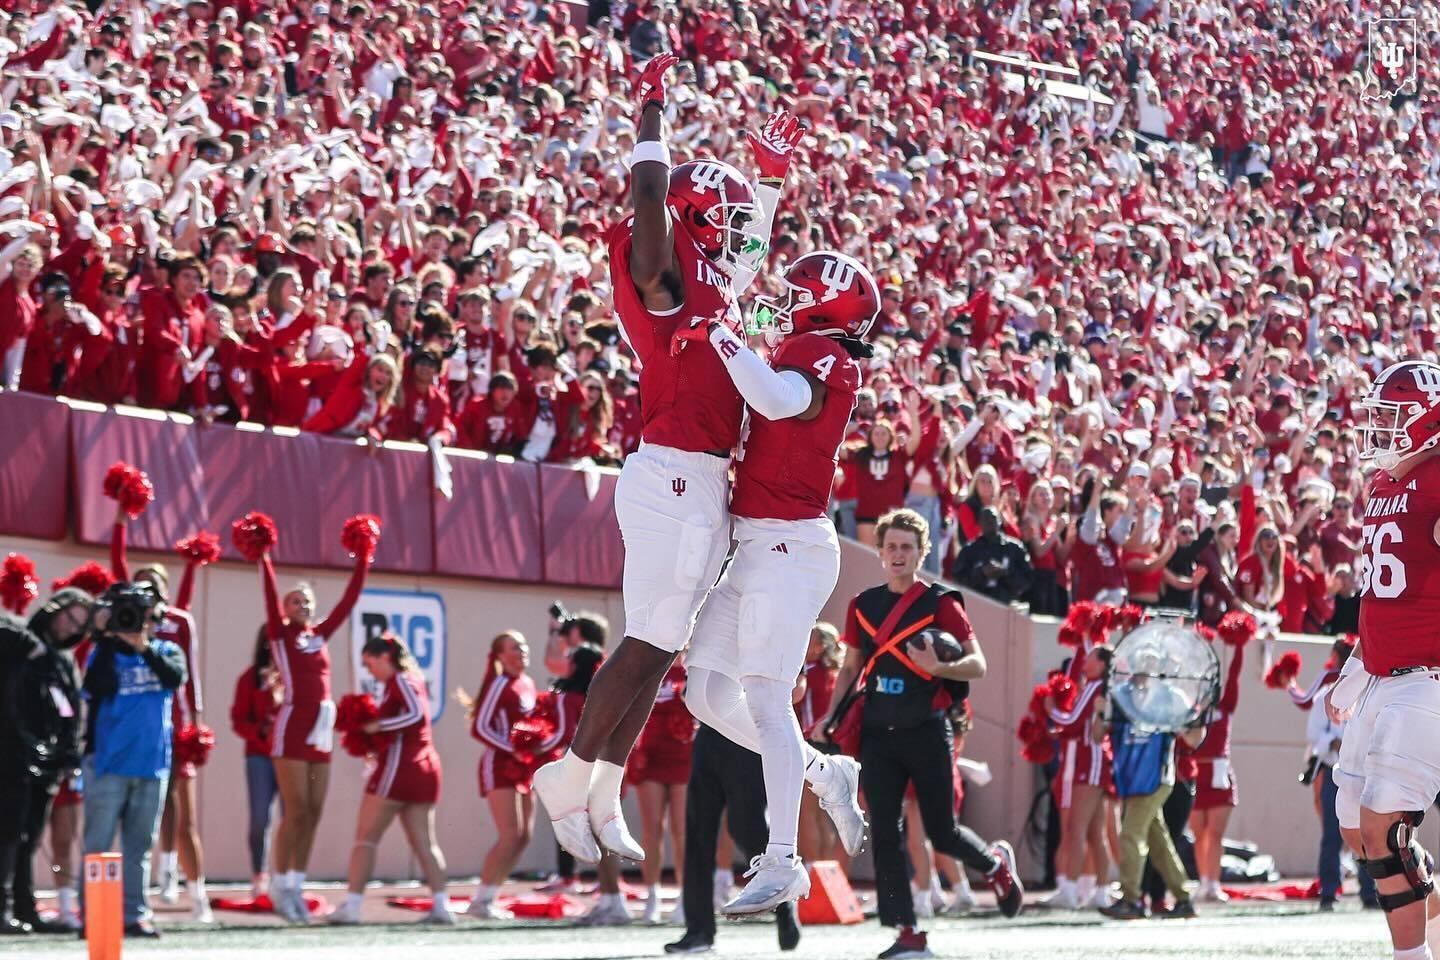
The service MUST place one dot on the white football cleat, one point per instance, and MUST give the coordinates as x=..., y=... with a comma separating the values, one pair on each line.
x=773, y=881
x=615, y=836
x=840, y=799
x=568, y=816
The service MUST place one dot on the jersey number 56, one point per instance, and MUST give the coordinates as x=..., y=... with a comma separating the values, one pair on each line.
x=1382, y=574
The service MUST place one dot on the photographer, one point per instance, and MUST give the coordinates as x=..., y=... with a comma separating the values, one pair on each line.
x=39, y=742
x=130, y=682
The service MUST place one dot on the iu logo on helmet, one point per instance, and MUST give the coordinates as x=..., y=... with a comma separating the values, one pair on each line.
x=678, y=485
x=708, y=176
x=1428, y=380
x=838, y=276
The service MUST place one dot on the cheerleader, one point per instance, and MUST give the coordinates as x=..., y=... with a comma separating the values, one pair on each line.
x=252, y=716
x=405, y=782
x=506, y=695
x=305, y=724
x=559, y=710
x=1215, y=789
x=660, y=768
x=1080, y=787
x=817, y=840
x=180, y=847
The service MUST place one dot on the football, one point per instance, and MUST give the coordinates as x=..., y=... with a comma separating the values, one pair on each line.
x=947, y=648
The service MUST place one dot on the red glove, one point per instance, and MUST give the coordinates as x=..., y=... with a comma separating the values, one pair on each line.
x=650, y=88
x=774, y=147
x=698, y=330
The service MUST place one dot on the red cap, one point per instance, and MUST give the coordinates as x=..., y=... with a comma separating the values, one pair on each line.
x=267, y=243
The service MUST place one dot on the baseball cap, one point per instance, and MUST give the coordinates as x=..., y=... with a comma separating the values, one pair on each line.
x=1140, y=469
x=267, y=243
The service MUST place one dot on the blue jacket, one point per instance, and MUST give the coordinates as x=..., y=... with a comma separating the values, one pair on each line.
x=130, y=695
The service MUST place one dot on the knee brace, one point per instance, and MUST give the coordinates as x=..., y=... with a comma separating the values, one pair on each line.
x=1407, y=857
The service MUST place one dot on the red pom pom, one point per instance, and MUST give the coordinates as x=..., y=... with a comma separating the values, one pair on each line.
x=1082, y=614
x=1062, y=689
x=1070, y=637
x=200, y=549
x=254, y=535
x=352, y=712
x=360, y=535
x=1286, y=669
x=1039, y=753
x=528, y=733
x=680, y=726
x=1206, y=632
x=130, y=487
x=1129, y=617
x=90, y=577
x=193, y=744
x=18, y=584
x=1237, y=628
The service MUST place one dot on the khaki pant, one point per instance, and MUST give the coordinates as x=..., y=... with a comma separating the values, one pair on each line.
x=1142, y=834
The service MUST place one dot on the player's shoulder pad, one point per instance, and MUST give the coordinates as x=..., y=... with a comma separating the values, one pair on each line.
x=821, y=356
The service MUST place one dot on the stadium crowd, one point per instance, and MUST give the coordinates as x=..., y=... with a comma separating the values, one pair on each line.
x=388, y=222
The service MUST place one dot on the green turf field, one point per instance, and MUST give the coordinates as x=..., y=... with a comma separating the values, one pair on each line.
x=1245, y=931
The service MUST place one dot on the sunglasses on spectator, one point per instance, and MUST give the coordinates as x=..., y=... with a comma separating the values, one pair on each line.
x=404, y=303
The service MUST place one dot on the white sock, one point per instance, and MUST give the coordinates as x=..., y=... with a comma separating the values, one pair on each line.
x=441, y=902
x=66, y=896
x=613, y=899
x=577, y=775
x=782, y=758
x=169, y=863
x=724, y=879
x=935, y=889
x=485, y=893
x=1085, y=888
x=353, y=901
x=1421, y=952
x=653, y=892
x=197, y=890
x=1062, y=882
x=964, y=883
x=605, y=784
x=297, y=881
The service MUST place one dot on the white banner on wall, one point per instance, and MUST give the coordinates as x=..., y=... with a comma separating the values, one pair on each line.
x=418, y=618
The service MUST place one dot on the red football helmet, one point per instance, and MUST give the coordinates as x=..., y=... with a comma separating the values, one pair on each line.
x=825, y=292
x=1403, y=413
x=714, y=202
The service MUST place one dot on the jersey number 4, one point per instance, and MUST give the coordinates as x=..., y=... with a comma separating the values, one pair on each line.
x=1382, y=574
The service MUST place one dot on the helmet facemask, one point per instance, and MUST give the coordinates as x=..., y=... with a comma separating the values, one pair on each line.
x=1383, y=439
x=729, y=220
x=773, y=317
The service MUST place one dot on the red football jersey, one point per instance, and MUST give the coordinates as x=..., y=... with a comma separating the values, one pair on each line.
x=688, y=401
x=785, y=468
x=1400, y=571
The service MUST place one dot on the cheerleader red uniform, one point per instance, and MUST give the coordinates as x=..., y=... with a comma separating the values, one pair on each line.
x=178, y=626
x=1083, y=759
x=1215, y=779
x=305, y=724
x=503, y=701
x=560, y=712
x=252, y=714
x=409, y=766
x=819, y=692
x=662, y=754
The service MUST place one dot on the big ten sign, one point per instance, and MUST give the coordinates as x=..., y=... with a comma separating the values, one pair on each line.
x=419, y=620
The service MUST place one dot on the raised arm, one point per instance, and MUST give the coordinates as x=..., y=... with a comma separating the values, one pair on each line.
x=341, y=613
x=1230, y=697
x=652, y=252
x=119, y=569
x=274, y=613
x=773, y=148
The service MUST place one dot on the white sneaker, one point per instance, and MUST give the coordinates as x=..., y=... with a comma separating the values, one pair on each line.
x=677, y=912
x=281, y=902
x=568, y=816
x=1210, y=892
x=609, y=912
x=441, y=917
x=487, y=910
x=615, y=836
x=298, y=906
x=773, y=881
x=962, y=902
x=724, y=889
x=937, y=894
x=1065, y=897
x=924, y=909
x=651, y=913
x=170, y=887
x=840, y=799
x=200, y=912
x=345, y=915
x=1101, y=898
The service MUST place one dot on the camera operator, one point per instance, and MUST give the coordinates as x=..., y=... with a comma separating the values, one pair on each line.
x=130, y=681
x=39, y=742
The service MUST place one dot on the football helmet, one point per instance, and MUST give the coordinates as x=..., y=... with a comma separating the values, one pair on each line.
x=825, y=292
x=714, y=202
x=1402, y=413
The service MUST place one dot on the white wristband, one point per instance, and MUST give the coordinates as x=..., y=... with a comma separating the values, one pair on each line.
x=650, y=150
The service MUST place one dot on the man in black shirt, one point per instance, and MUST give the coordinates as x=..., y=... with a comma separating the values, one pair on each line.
x=994, y=564
x=1181, y=580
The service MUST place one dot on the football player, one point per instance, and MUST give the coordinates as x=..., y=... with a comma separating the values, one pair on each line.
x=754, y=628
x=698, y=234
x=1389, y=770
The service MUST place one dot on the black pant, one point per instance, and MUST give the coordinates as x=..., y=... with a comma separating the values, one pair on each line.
x=1177, y=818
x=889, y=761
x=723, y=777
x=24, y=810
